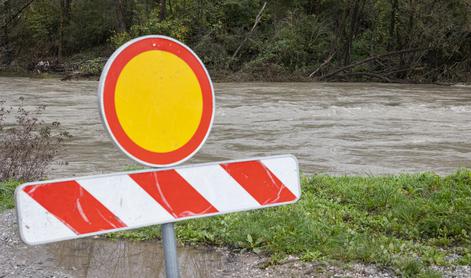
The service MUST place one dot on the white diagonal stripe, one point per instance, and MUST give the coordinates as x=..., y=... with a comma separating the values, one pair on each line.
x=286, y=170
x=39, y=225
x=219, y=188
x=126, y=199
x=136, y=208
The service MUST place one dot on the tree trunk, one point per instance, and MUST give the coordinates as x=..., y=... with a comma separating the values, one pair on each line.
x=5, y=38
x=411, y=23
x=64, y=21
x=7, y=10
x=120, y=16
x=336, y=45
x=412, y=35
x=163, y=10
x=392, y=23
x=355, y=11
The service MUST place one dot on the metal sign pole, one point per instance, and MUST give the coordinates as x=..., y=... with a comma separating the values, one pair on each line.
x=170, y=250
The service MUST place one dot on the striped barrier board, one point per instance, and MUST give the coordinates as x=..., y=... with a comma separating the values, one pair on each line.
x=64, y=209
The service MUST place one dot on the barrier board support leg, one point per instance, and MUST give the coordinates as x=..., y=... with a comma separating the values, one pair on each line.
x=170, y=250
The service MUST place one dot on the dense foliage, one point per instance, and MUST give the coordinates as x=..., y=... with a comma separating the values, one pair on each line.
x=387, y=40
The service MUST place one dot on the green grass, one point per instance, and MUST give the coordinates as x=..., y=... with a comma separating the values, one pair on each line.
x=405, y=223
x=7, y=190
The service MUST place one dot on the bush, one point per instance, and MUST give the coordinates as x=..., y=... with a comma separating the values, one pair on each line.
x=93, y=66
x=27, y=147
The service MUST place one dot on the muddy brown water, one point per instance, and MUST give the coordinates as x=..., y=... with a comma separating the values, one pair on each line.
x=106, y=258
x=335, y=128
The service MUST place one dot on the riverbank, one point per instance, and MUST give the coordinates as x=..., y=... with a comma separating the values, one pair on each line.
x=404, y=225
x=220, y=76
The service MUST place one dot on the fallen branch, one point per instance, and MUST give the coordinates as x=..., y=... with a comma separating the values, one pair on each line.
x=400, y=70
x=369, y=74
x=258, y=18
x=10, y=20
x=371, y=58
x=327, y=61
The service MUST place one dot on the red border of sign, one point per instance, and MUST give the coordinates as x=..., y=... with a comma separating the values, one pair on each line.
x=107, y=87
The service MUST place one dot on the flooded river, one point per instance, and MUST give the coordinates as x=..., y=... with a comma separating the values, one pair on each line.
x=336, y=128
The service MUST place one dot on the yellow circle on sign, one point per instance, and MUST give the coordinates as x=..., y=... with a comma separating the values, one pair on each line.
x=158, y=101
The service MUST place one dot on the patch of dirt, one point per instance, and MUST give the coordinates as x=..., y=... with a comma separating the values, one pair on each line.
x=97, y=257
x=19, y=260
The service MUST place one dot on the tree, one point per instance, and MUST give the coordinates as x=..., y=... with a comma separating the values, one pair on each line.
x=64, y=21
x=292, y=38
x=9, y=19
x=392, y=23
x=121, y=25
x=5, y=42
x=163, y=9
x=356, y=10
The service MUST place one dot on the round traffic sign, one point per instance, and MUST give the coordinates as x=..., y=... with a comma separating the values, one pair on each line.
x=156, y=100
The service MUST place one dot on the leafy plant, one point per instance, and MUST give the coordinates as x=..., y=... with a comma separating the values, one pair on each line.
x=93, y=66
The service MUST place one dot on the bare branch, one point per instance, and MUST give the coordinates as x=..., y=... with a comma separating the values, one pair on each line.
x=327, y=61
x=371, y=58
x=257, y=21
x=369, y=74
x=18, y=13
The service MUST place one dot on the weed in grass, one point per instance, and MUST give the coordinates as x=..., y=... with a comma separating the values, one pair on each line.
x=146, y=233
x=465, y=259
x=428, y=273
x=310, y=256
x=7, y=189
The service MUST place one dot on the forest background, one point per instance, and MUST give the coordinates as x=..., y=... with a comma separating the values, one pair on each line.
x=416, y=41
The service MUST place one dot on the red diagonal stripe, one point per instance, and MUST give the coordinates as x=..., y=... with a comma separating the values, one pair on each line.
x=173, y=193
x=259, y=182
x=74, y=206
